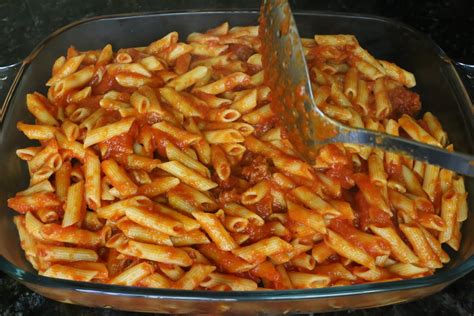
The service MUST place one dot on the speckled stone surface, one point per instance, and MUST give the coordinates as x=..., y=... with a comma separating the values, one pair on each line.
x=24, y=23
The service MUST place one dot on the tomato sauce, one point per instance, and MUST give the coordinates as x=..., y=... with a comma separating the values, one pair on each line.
x=367, y=214
x=264, y=207
x=122, y=143
x=242, y=52
x=257, y=233
x=403, y=101
x=90, y=102
x=257, y=170
x=264, y=126
x=107, y=83
x=342, y=174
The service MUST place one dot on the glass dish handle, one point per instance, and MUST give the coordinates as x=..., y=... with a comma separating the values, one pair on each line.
x=7, y=79
x=466, y=73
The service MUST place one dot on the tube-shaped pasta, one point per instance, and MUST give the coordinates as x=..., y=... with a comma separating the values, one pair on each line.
x=175, y=154
x=73, y=81
x=435, y=128
x=301, y=280
x=187, y=175
x=133, y=275
x=73, y=211
x=92, y=180
x=117, y=209
x=220, y=162
x=399, y=249
x=225, y=84
x=179, y=102
x=65, y=254
x=106, y=132
x=313, y=201
x=214, y=228
x=393, y=71
x=119, y=178
x=192, y=237
x=257, y=252
x=430, y=180
x=38, y=132
x=74, y=235
x=233, y=282
x=158, y=186
x=68, y=68
x=260, y=115
x=256, y=193
x=421, y=246
x=189, y=78
x=159, y=253
x=348, y=250
x=144, y=234
x=194, y=277
x=449, y=211
x=185, y=137
x=305, y=216
x=416, y=131
x=459, y=188
x=156, y=280
x=60, y=271
x=246, y=102
x=154, y=220
x=36, y=105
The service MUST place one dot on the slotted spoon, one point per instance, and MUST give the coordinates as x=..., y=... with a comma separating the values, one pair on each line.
x=308, y=127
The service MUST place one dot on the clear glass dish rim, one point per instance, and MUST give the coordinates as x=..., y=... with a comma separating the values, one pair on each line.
x=444, y=276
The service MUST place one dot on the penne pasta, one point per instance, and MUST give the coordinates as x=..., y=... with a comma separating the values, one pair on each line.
x=166, y=166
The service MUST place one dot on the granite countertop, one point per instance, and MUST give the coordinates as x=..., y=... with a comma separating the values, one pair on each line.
x=23, y=23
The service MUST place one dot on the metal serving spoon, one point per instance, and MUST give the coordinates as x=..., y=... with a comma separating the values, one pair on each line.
x=308, y=127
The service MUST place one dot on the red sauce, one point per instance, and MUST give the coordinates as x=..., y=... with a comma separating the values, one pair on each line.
x=107, y=83
x=394, y=172
x=186, y=195
x=148, y=118
x=264, y=126
x=71, y=52
x=134, y=53
x=285, y=24
x=122, y=143
x=227, y=196
x=258, y=170
x=161, y=139
x=225, y=260
x=257, y=233
x=266, y=271
x=242, y=52
x=264, y=207
x=340, y=167
x=90, y=102
x=404, y=101
x=253, y=69
x=424, y=205
x=318, y=55
x=367, y=214
x=342, y=174
x=182, y=63
x=423, y=125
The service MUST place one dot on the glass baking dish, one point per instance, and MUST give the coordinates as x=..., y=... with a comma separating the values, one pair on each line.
x=439, y=85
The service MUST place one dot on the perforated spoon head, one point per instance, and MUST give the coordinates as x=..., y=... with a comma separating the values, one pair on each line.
x=286, y=74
